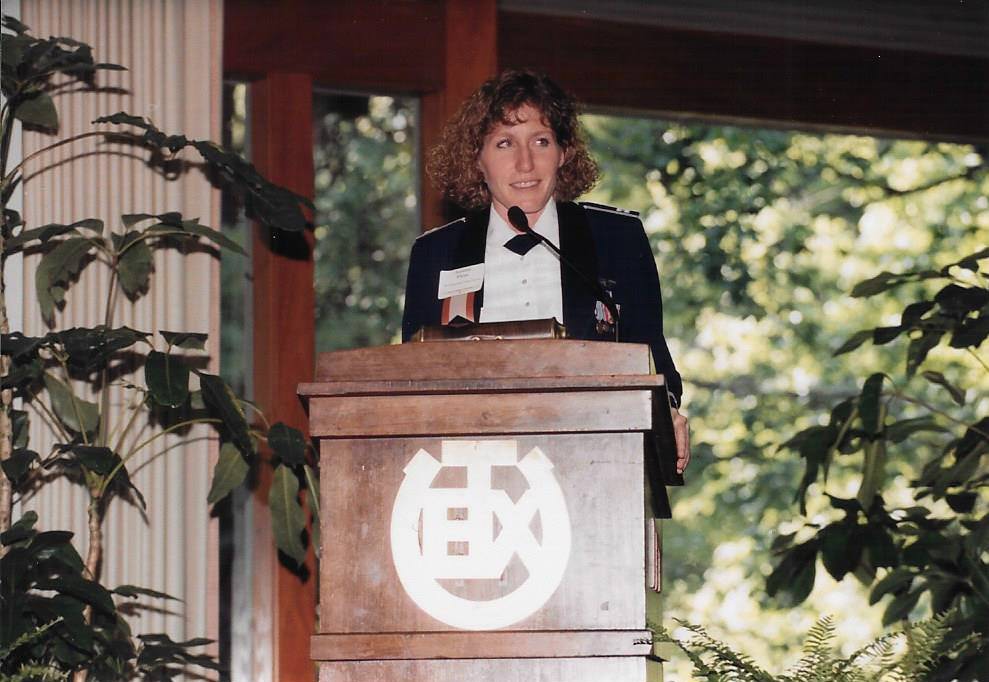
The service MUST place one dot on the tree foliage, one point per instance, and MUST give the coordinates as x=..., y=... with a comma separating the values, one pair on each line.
x=759, y=236
x=365, y=217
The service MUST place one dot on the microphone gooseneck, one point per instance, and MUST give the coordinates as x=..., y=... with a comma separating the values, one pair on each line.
x=518, y=219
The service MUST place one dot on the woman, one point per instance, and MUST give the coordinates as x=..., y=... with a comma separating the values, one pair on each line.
x=516, y=142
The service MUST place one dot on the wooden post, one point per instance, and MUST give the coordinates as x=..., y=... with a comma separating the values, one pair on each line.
x=471, y=57
x=284, y=350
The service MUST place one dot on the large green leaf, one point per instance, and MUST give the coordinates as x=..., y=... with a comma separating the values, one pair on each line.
x=103, y=462
x=274, y=206
x=92, y=348
x=287, y=518
x=221, y=402
x=214, y=236
x=88, y=591
x=897, y=580
x=919, y=347
x=869, y=404
x=81, y=416
x=856, y=340
x=50, y=231
x=167, y=377
x=187, y=340
x=20, y=530
x=958, y=300
x=230, y=471
x=873, y=473
x=16, y=467
x=898, y=432
x=901, y=606
x=133, y=591
x=38, y=111
x=841, y=549
x=56, y=270
x=134, y=268
x=16, y=344
x=288, y=443
x=971, y=332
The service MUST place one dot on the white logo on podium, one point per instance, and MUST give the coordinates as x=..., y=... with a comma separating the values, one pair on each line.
x=472, y=533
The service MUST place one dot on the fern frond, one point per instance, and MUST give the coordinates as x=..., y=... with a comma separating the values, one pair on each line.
x=28, y=638
x=817, y=662
x=722, y=660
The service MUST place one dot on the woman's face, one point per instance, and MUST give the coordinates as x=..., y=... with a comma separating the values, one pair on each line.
x=519, y=163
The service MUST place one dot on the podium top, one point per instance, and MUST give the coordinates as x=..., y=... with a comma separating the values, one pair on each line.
x=500, y=359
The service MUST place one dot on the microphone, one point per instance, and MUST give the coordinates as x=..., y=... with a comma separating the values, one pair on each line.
x=516, y=216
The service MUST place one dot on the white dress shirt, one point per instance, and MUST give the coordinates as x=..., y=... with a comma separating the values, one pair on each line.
x=522, y=287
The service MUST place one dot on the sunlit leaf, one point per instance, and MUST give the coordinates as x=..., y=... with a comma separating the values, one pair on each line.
x=873, y=473
x=230, y=471
x=287, y=518
x=134, y=268
x=56, y=269
x=75, y=413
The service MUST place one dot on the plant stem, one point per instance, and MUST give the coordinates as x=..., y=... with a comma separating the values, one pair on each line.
x=978, y=358
x=961, y=422
x=147, y=441
x=6, y=424
x=105, y=374
x=54, y=145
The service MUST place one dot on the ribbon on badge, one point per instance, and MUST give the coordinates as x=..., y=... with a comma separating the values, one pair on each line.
x=461, y=306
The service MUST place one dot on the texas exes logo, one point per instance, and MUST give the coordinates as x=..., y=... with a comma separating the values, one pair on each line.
x=471, y=533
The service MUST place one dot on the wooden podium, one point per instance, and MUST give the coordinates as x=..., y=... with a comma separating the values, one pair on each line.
x=486, y=512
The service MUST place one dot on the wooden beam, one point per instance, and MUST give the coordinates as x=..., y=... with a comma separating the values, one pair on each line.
x=470, y=57
x=771, y=81
x=284, y=352
x=374, y=45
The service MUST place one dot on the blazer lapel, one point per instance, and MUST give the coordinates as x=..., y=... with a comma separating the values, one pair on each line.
x=470, y=250
x=577, y=245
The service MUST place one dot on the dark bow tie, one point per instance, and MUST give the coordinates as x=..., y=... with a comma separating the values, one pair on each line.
x=521, y=243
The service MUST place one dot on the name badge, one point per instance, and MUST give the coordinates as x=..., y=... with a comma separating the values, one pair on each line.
x=460, y=281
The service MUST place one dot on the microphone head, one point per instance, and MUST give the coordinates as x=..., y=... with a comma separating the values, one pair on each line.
x=516, y=216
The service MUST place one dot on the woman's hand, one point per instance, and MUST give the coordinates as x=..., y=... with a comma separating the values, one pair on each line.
x=682, y=433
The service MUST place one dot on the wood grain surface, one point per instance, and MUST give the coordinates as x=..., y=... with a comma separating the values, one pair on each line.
x=503, y=644
x=604, y=584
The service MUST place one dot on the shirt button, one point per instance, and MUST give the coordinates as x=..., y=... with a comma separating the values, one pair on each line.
x=525, y=281
x=526, y=304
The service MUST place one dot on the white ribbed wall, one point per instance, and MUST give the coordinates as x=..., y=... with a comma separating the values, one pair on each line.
x=172, y=51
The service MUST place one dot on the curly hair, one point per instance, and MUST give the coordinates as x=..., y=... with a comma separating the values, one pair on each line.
x=452, y=164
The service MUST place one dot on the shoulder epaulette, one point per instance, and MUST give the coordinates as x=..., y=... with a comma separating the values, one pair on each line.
x=436, y=229
x=609, y=209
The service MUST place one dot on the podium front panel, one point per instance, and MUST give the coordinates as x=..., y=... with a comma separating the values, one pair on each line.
x=507, y=532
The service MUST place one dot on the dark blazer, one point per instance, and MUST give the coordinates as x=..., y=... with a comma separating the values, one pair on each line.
x=604, y=243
